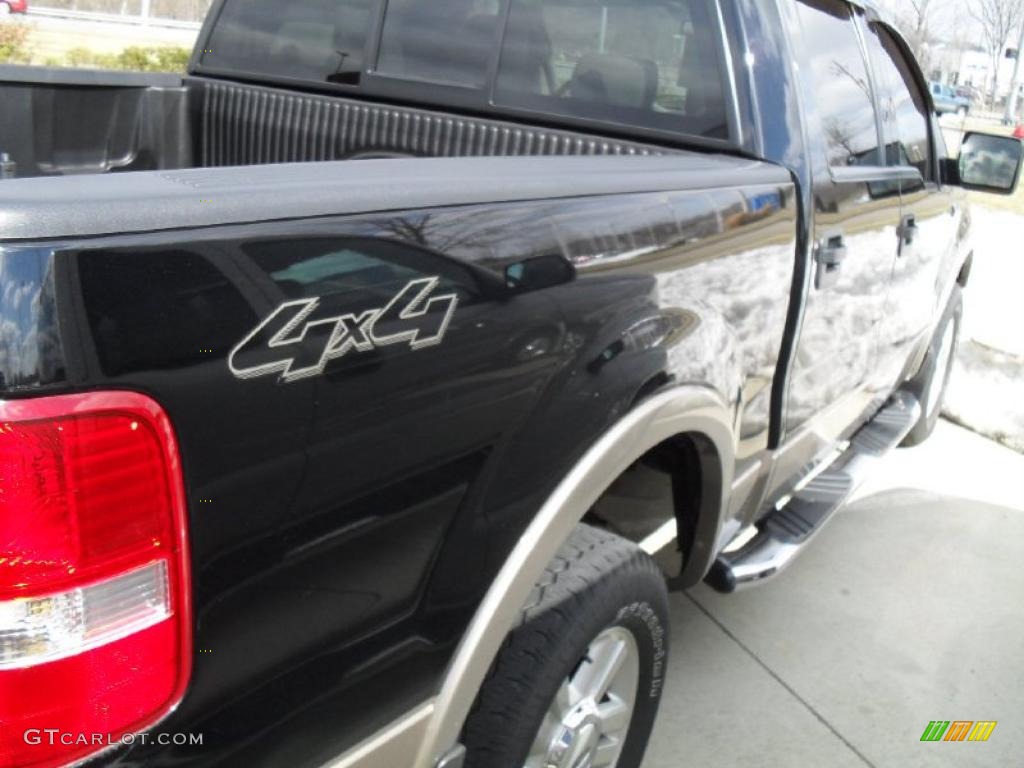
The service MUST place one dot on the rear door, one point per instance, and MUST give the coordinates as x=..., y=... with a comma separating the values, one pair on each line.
x=930, y=213
x=856, y=214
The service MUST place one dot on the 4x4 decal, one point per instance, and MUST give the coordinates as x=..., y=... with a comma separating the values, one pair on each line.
x=413, y=316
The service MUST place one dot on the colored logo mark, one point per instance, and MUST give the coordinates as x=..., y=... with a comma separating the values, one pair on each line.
x=958, y=730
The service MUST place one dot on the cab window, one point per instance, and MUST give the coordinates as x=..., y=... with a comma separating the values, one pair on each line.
x=316, y=40
x=841, y=86
x=654, y=64
x=903, y=105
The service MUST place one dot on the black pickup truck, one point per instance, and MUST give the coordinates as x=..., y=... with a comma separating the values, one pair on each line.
x=391, y=463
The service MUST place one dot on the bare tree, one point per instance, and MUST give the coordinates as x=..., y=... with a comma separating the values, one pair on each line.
x=922, y=22
x=962, y=37
x=998, y=19
x=1010, y=113
x=918, y=28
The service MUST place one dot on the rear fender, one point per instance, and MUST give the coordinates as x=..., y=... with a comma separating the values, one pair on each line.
x=681, y=410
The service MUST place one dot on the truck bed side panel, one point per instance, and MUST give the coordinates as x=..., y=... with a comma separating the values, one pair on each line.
x=348, y=510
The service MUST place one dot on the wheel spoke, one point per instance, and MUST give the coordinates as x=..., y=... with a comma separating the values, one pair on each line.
x=538, y=753
x=549, y=727
x=615, y=715
x=606, y=658
x=607, y=753
x=537, y=758
x=588, y=718
x=565, y=699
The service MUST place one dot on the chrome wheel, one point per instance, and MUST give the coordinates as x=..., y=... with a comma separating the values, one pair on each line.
x=942, y=364
x=586, y=724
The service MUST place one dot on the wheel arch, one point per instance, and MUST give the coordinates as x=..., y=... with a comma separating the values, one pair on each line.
x=965, y=270
x=692, y=413
x=699, y=526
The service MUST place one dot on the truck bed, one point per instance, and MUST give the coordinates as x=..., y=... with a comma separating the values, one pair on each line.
x=322, y=510
x=69, y=122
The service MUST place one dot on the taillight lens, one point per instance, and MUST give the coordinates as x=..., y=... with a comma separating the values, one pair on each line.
x=95, y=624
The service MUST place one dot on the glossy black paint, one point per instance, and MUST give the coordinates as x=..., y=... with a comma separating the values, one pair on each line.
x=855, y=338
x=344, y=526
x=32, y=352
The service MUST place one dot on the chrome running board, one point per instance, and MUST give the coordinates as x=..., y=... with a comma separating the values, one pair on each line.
x=783, y=533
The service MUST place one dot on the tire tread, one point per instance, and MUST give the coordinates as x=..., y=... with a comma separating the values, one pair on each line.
x=589, y=557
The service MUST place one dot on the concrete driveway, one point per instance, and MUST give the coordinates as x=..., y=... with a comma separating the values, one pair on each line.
x=908, y=607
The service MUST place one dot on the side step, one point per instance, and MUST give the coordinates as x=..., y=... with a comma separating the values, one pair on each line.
x=783, y=533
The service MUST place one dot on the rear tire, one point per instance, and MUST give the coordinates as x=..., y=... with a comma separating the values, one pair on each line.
x=931, y=382
x=601, y=605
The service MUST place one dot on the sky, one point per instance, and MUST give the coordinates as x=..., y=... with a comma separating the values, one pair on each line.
x=946, y=16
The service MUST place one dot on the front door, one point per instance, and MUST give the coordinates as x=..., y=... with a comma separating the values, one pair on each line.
x=930, y=213
x=856, y=215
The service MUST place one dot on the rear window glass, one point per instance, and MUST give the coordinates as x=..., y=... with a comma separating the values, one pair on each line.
x=653, y=64
x=647, y=63
x=319, y=40
x=443, y=41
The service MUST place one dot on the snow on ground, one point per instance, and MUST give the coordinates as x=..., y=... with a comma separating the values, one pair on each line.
x=986, y=392
x=994, y=301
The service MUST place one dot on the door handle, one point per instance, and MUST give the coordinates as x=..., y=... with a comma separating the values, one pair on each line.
x=829, y=255
x=907, y=231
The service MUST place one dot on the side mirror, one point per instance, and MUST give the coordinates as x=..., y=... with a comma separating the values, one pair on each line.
x=537, y=273
x=990, y=163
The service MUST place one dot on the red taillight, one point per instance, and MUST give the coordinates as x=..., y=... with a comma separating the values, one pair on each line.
x=95, y=624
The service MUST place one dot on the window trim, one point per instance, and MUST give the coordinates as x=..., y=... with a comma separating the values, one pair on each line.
x=479, y=100
x=922, y=87
x=855, y=174
x=726, y=54
x=857, y=17
x=862, y=172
